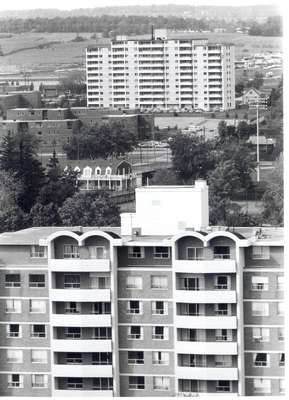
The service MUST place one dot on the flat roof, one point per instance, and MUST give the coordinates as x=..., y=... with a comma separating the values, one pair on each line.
x=31, y=236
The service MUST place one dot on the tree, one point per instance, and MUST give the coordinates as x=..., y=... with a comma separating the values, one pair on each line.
x=192, y=157
x=13, y=218
x=45, y=215
x=74, y=82
x=18, y=156
x=239, y=88
x=10, y=190
x=257, y=81
x=273, y=198
x=164, y=177
x=105, y=140
x=89, y=209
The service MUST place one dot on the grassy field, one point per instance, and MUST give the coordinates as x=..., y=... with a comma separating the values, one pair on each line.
x=49, y=51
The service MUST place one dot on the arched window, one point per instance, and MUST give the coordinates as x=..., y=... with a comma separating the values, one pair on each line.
x=108, y=171
x=97, y=171
x=87, y=171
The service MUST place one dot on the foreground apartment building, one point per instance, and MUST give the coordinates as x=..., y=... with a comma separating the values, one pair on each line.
x=164, y=70
x=164, y=305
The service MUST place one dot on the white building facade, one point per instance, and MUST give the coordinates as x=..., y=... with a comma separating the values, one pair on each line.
x=165, y=70
x=164, y=305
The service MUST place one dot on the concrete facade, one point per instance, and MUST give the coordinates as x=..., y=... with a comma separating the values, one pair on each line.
x=115, y=311
x=165, y=70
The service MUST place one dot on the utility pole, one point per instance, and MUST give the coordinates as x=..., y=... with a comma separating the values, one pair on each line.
x=257, y=143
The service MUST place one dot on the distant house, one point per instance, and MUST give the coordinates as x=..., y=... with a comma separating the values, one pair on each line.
x=265, y=144
x=252, y=96
x=103, y=174
x=51, y=91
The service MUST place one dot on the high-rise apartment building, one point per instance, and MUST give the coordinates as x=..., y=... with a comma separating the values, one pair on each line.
x=164, y=305
x=165, y=70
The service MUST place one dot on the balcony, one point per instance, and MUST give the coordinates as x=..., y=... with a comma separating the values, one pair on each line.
x=81, y=345
x=85, y=393
x=204, y=373
x=205, y=266
x=206, y=322
x=222, y=348
x=206, y=296
x=87, y=371
x=80, y=295
x=80, y=320
x=79, y=264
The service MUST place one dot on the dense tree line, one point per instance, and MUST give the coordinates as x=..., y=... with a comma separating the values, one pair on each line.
x=32, y=196
x=228, y=164
x=272, y=27
x=107, y=24
x=103, y=140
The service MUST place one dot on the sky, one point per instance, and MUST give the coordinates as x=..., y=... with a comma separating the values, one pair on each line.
x=71, y=4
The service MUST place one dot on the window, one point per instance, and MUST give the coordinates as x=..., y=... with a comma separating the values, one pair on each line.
x=260, y=309
x=222, y=252
x=280, y=308
x=281, y=334
x=280, y=282
x=71, y=281
x=97, y=252
x=13, y=306
x=135, y=357
x=282, y=360
x=102, y=384
x=261, y=334
x=259, y=283
x=73, y=358
x=160, y=358
x=223, y=361
x=261, y=360
x=99, y=282
x=71, y=307
x=39, y=381
x=12, y=280
x=135, y=332
x=36, y=280
x=262, y=386
x=101, y=308
x=102, y=333
x=136, y=382
x=74, y=383
x=135, y=252
x=282, y=386
x=161, y=383
x=134, y=282
x=14, y=356
x=222, y=282
x=134, y=307
x=189, y=284
x=37, y=306
x=102, y=358
x=159, y=282
x=13, y=331
x=39, y=356
x=261, y=253
x=38, y=251
x=195, y=253
x=38, y=331
x=224, y=335
x=223, y=386
x=160, y=333
x=15, y=381
x=222, y=309
x=161, y=252
x=72, y=332
x=160, y=307
x=70, y=251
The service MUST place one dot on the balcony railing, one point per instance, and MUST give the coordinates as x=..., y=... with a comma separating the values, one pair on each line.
x=260, y=339
x=74, y=360
x=135, y=361
x=260, y=363
x=222, y=256
x=224, y=338
x=133, y=311
x=223, y=389
x=158, y=311
x=72, y=310
x=259, y=286
x=134, y=336
x=158, y=336
x=71, y=285
x=136, y=386
x=72, y=335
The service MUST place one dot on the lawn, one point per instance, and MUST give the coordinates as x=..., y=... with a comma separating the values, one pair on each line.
x=59, y=51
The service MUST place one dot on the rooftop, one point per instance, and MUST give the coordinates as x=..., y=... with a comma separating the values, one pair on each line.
x=31, y=236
